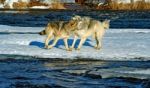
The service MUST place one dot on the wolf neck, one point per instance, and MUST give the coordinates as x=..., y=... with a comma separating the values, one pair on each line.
x=104, y=26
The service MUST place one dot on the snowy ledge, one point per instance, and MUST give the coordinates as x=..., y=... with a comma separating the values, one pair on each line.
x=118, y=44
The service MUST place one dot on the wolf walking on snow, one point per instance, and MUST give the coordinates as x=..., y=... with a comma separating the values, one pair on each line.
x=78, y=26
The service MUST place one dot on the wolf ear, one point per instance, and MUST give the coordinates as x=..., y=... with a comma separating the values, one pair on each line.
x=49, y=24
x=72, y=23
x=76, y=17
x=106, y=21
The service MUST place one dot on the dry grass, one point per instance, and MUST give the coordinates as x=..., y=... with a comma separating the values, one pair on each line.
x=2, y=1
x=20, y=5
x=147, y=6
x=57, y=6
x=135, y=6
x=126, y=6
x=36, y=3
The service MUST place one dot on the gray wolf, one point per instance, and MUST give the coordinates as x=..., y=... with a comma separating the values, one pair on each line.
x=60, y=29
x=86, y=27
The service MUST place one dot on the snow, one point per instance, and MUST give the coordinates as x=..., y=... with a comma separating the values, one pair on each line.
x=118, y=44
x=47, y=1
x=138, y=71
x=10, y=29
x=40, y=7
x=1, y=6
x=10, y=2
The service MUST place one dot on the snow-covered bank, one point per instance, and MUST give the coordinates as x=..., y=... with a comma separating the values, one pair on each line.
x=118, y=44
x=10, y=29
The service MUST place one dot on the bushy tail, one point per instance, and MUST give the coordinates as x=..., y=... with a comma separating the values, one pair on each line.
x=42, y=32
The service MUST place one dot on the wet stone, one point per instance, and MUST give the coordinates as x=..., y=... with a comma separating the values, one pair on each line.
x=93, y=75
x=75, y=72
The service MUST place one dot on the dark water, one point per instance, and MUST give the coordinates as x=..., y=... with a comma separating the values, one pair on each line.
x=32, y=72
x=119, y=19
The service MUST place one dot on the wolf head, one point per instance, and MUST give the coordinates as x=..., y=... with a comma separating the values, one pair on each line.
x=106, y=24
x=76, y=17
x=72, y=25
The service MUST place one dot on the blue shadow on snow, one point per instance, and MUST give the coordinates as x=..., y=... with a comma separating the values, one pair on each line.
x=60, y=42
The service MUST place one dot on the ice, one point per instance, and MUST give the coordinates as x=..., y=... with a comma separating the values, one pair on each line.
x=138, y=71
x=10, y=2
x=118, y=44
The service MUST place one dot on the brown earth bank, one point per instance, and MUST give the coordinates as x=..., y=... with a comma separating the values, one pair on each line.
x=139, y=5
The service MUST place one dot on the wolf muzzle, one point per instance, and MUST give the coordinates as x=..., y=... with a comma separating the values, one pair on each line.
x=42, y=32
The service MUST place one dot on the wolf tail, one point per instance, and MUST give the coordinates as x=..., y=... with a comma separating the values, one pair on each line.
x=42, y=32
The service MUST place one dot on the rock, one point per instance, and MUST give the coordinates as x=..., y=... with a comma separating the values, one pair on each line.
x=93, y=75
x=75, y=72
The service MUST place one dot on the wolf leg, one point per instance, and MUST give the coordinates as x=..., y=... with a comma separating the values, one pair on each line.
x=47, y=41
x=66, y=44
x=98, y=42
x=81, y=43
x=54, y=43
x=74, y=41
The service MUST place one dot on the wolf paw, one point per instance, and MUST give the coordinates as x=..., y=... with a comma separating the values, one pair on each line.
x=46, y=47
x=69, y=49
x=78, y=49
x=97, y=48
x=49, y=47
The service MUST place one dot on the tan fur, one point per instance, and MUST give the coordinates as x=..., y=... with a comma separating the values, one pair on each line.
x=87, y=27
x=82, y=27
x=58, y=30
